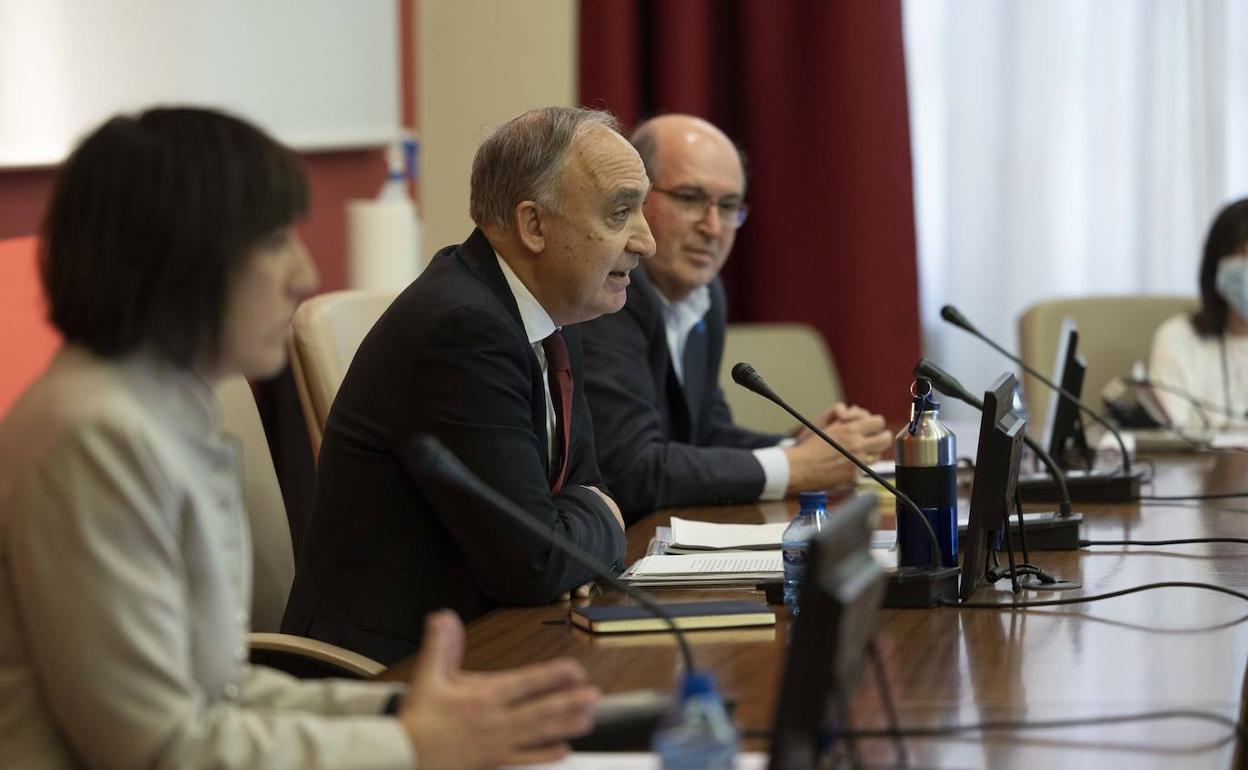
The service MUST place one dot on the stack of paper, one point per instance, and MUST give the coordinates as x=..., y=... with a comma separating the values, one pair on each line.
x=704, y=553
x=696, y=536
x=727, y=568
x=1230, y=439
x=687, y=536
x=746, y=760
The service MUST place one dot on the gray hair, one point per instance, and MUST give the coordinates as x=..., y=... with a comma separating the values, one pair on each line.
x=523, y=158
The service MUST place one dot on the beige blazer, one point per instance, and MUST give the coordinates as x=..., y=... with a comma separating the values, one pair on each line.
x=125, y=583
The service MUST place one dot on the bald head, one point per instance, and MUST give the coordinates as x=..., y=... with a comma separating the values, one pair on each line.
x=673, y=130
x=697, y=196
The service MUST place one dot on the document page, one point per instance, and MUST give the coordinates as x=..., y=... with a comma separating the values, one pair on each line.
x=727, y=563
x=750, y=760
x=707, y=535
x=706, y=568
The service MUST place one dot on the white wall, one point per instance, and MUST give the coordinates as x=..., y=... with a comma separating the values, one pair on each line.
x=318, y=74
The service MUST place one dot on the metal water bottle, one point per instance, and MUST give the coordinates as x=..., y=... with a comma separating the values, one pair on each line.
x=927, y=474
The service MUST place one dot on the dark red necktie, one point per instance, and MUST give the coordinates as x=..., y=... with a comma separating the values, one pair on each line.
x=559, y=372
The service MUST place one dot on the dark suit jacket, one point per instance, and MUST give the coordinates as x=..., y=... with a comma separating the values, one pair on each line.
x=383, y=546
x=661, y=444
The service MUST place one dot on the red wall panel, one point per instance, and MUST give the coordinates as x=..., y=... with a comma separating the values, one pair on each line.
x=27, y=342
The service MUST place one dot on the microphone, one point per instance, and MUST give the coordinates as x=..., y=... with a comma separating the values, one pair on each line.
x=1132, y=402
x=1187, y=396
x=746, y=376
x=433, y=459
x=946, y=383
x=955, y=317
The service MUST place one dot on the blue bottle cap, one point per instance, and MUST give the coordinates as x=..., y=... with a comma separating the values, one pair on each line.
x=697, y=684
x=808, y=499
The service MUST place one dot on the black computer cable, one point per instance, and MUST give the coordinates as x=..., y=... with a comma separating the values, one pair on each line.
x=1211, y=496
x=1092, y=598
x=1182, y=541
x=1237, y=730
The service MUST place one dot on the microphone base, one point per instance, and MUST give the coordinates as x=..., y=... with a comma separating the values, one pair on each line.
x=1084, y=487
x=1046, y=531
x=921, y=587
x=625, y=721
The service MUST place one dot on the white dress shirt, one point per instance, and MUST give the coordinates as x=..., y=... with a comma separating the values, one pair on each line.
x=538, y=325
x=125, y=588
x=679, y=320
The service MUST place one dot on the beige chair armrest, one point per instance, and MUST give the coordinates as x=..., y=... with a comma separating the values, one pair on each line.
x=307, y=654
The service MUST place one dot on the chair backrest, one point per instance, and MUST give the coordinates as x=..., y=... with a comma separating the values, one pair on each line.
x=794, y=360
x=328, y=329
x=273, y=561
x=1114, y=333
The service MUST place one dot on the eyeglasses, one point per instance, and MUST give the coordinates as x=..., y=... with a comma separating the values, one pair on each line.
x=695, y=203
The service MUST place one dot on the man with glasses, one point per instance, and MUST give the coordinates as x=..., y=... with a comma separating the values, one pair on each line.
x=664, y=434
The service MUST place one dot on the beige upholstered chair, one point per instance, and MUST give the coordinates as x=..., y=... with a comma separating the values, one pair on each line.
x=1114, y=333
x=328, y=329
x=794, y=360
x=272, y=552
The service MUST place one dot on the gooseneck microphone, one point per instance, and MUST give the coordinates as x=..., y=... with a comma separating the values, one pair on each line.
x=745, y=376
x=1119, y=398
x=1202, y=404
x=433, y=459
x=946, y=383
x=955, y=317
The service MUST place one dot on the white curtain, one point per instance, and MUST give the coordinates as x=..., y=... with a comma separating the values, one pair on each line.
x=1065, y=148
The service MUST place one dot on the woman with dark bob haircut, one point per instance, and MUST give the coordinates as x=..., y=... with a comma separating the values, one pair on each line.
x=170, y=261
x=1200, y=361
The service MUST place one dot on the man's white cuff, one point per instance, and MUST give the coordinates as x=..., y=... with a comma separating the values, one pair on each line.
x=775, y=472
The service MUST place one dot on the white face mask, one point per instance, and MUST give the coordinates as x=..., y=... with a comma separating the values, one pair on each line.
x=1232, y=283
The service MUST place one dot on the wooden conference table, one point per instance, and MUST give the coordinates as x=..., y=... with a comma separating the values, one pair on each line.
x=1173, y=648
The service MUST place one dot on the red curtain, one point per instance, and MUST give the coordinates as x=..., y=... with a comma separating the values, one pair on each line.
x=815, y=93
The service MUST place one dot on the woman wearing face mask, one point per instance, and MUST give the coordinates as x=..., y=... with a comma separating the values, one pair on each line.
x=1205, y=354
x=169, y=261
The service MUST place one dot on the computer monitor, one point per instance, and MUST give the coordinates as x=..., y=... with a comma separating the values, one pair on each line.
x=840, y=598
x=1063, y=427
x=996, y=478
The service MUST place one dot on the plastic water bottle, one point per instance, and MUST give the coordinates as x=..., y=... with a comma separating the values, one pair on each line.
x=697, y=733
x=395, y=186
x=383, y=234
x=812, y=516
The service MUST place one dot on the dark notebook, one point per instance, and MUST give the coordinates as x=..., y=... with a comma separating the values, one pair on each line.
x=688, y=616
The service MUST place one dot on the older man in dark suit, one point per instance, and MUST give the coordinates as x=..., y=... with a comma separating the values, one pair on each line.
x=665, y=434
x=476, y=352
